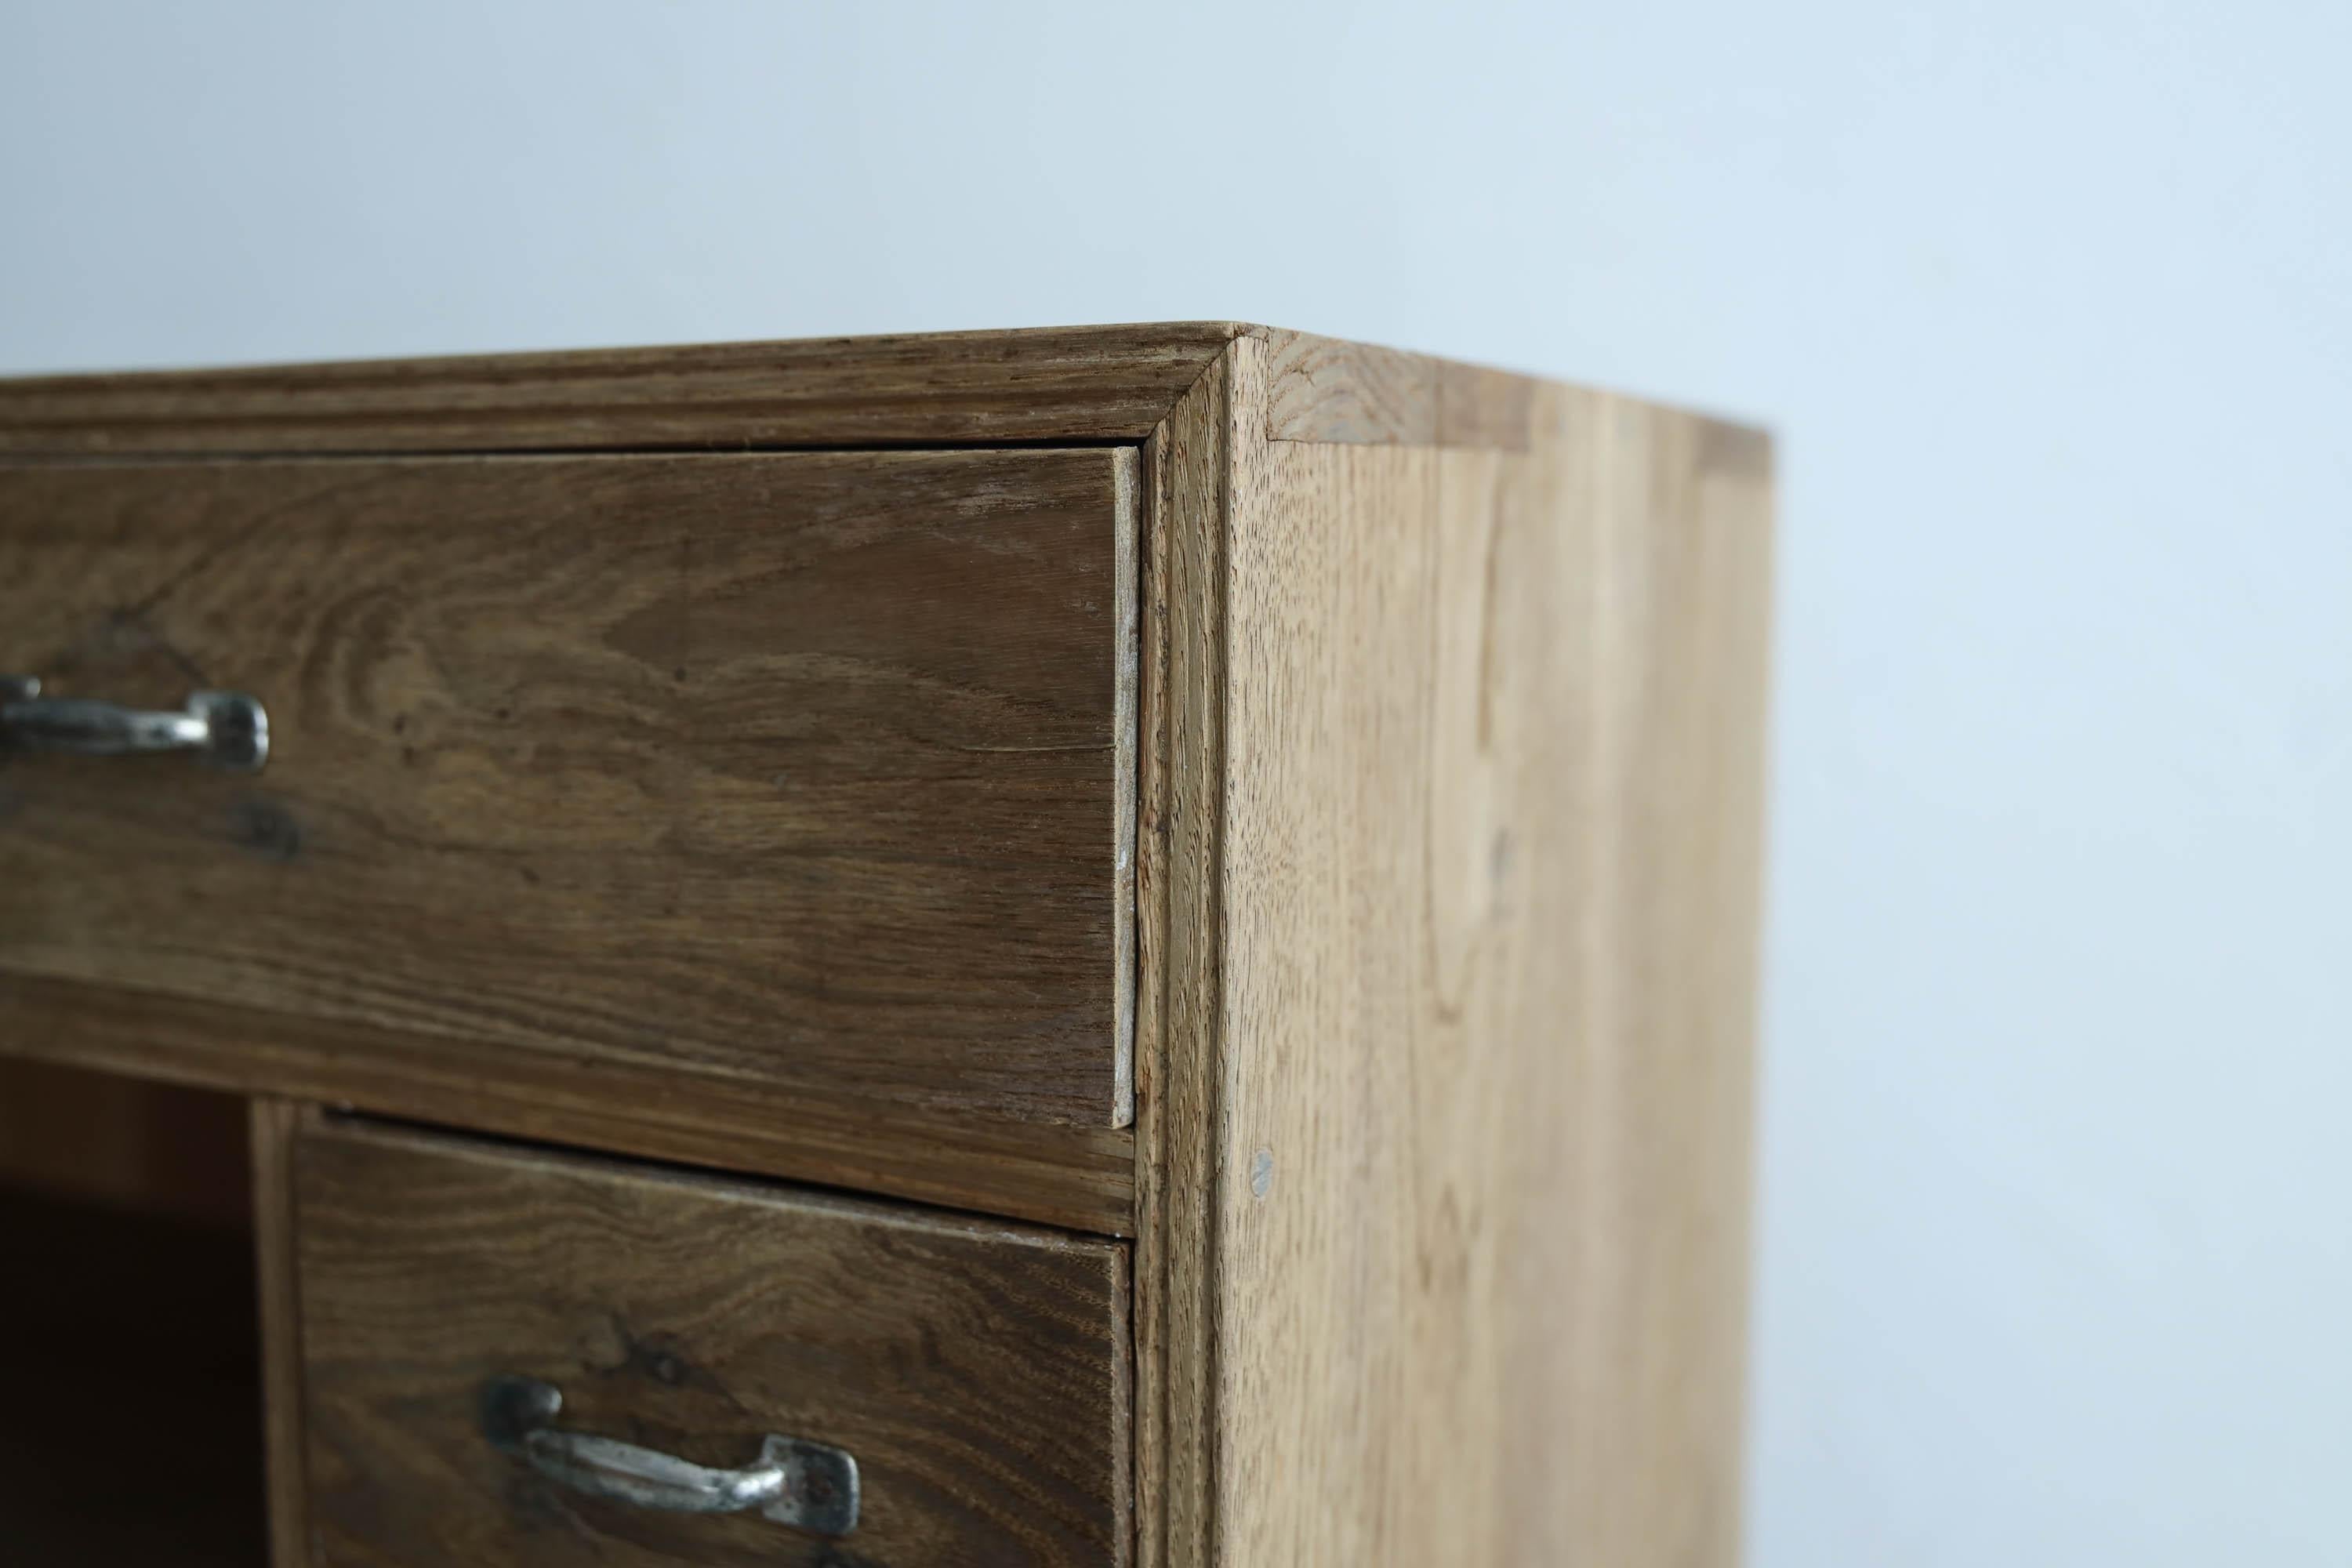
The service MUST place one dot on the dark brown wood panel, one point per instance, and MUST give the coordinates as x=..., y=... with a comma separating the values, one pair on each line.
x=797, y=770
x=977, y=1371
x=1061, y=384
x=123, y=1142
x=1082, y=1178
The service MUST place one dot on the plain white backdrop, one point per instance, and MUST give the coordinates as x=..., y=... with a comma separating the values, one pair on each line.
x=2048, y=303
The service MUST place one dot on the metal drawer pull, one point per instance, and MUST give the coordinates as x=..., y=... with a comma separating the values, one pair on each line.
x=227, y=729
x=806, y=1485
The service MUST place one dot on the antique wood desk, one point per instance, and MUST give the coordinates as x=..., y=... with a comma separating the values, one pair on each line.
x=1122, y=945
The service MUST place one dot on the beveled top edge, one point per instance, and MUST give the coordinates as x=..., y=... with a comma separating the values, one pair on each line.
x=1111, y=341
x=1026, y=385
x=1054, y=383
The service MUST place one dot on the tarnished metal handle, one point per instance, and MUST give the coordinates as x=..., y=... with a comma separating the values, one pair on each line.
x=803, y=1484
x=606, y=1466
x=228, y=729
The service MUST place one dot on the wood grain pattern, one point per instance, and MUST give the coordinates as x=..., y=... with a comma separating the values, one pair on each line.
x=1060, y=384
x=977, y=1371
x=1078, y=1177
x=276, y=1124
x=1471, y=1057
x=797, y=770
x=1063, y=384
x=1325, y=390
x=1182, y=775
x=1441, y=826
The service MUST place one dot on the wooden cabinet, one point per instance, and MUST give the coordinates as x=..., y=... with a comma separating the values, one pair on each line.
x=1148, y=932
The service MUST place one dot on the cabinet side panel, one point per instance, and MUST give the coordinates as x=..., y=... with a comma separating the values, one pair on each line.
x=1490, y=857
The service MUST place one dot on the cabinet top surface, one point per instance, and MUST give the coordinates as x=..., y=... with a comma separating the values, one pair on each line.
x=1046, y=384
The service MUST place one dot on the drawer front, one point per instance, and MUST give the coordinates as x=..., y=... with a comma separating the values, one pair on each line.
x=976, y=1372
x=798, y=770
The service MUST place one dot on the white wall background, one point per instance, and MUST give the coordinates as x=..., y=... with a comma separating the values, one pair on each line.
x=2048, y=300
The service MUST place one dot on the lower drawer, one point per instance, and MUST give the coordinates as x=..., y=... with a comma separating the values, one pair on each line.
x=974, y=1371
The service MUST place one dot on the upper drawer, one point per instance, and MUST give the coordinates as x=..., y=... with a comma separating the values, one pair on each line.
x=808, y=770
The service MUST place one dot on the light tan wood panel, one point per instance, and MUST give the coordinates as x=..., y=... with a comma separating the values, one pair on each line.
x=1326, y=389
x=978, y=1371
x=803, y=771
x=1467, y=1076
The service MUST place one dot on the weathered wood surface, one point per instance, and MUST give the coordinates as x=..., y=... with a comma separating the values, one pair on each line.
x=977, y=1371
x=1080, y=1177
x=1061, y=383
x=1328, y=390
x=1447, y=1102
x=1058, y=383
x=799, y=771
x=1445, y=811
x=1182, y=769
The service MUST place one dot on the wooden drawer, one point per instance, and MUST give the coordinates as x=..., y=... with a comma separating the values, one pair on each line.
x=976, y=1371
x=803, y=772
